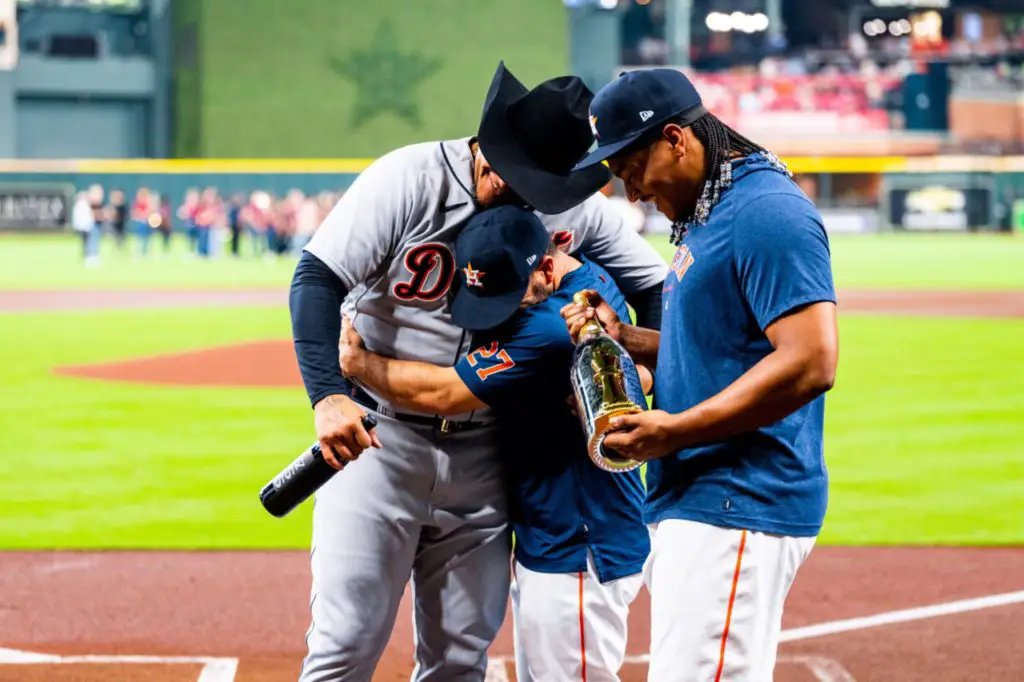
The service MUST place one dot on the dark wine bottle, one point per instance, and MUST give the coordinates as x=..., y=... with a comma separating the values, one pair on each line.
x=301, y=478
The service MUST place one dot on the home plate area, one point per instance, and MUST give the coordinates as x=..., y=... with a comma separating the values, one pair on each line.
x=924, y=614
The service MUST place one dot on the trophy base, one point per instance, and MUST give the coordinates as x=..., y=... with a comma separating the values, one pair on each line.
x=604, y=459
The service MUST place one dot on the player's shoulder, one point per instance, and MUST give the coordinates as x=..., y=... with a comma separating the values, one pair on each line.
x=411, y=159
x=541, y=326
x=764, y=185
x=591, y=275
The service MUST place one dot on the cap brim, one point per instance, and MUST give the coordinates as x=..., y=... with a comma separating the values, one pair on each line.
x=477, y=313
x=604, y=152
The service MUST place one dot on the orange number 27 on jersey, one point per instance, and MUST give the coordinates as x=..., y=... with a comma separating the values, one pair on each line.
x=489, y=352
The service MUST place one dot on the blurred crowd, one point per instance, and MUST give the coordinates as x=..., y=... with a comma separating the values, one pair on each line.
x=258, y=225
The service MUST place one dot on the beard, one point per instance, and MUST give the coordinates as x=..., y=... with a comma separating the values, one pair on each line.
x=537, y=293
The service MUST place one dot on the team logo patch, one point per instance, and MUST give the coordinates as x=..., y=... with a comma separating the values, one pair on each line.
x=593, y=127
x=429, y=271
x=563, y=240
x=682, y=261
x=473, y=277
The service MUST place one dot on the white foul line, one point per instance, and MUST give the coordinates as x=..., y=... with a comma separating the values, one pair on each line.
x=214, y=669
x=902, y=616
x=824, y=669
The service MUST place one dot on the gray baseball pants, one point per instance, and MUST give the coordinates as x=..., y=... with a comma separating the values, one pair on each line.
x=425, y=505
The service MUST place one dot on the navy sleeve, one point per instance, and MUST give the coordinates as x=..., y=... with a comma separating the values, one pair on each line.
x=502, y=370
x=315, y=304
x=782, y=256
x=647, y=305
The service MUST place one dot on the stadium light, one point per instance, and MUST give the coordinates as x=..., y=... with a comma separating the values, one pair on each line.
x=720, y=22
x=896, y=28
x=875, y=27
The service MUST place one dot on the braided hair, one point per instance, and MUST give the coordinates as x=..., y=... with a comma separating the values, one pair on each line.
x=721, y=144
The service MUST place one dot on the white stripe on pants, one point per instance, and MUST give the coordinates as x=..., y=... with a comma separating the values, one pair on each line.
x=570, y=626
x=716, y=600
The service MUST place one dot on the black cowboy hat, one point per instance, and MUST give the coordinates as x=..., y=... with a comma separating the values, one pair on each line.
x=534, y=138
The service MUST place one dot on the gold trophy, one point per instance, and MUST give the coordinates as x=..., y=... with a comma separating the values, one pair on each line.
x=606, y=385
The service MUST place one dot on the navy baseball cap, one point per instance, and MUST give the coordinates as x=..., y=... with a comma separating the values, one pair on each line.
x=636, y=103
x=495, y=255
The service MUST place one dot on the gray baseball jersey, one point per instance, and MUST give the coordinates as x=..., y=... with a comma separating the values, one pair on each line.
x=391, y=241
x=426, y=505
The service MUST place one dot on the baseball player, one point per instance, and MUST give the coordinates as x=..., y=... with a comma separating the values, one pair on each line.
x=737, y=486
x=580, y=540
x=429, y=502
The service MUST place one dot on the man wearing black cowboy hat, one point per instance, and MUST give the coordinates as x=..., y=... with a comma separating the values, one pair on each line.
x=429, y=502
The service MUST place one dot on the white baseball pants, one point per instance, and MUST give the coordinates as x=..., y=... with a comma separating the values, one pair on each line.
x=716, y=600
x=570, y=627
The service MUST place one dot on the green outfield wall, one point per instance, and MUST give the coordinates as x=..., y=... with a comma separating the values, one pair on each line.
x=326, y=78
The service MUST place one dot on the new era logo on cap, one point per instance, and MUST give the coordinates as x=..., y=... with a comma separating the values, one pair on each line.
x=645, y=115
x=531, y=260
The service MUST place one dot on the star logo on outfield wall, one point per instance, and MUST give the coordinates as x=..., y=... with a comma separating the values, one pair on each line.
x=386, y=78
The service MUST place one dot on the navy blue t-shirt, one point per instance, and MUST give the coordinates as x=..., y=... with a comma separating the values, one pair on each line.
x=762, y=254
x=563, y=504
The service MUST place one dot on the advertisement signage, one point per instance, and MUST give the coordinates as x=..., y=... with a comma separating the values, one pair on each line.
x=34, y=207
x=940, y=208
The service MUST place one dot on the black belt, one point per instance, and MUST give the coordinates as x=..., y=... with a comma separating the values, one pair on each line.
x=440, y=424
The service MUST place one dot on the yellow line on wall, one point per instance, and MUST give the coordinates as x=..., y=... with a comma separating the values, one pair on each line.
x=797, y=164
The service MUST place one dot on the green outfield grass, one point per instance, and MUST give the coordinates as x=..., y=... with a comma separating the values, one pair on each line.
x=860, y=261
x=923, y=436
x=921, y=261
x=55, y=262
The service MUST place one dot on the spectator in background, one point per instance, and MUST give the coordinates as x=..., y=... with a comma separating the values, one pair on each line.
x=281, y=225
x=327, y=201
x=187, y=214
x=219, y=229
x=83, y=220
x=206, y=220
x=99, y=217
x=141, y=210
x=117, y=214
x=307, y=220
x=235, y=221
x=161, y=222
x=255, y=216
x=287, y=225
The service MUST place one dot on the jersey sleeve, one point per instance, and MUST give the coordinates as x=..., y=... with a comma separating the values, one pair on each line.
x=601, y=234
x=782, y=256
x=365, y=226
x=504, y=368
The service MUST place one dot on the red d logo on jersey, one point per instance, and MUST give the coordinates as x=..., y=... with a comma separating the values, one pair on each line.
x=431, y=267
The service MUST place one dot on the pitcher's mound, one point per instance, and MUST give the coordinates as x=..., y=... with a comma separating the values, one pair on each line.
x=260, y=363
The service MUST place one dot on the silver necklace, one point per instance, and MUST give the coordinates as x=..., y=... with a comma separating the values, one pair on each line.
x=712, y=192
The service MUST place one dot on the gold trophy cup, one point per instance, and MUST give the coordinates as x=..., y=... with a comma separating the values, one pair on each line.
x=606, y=385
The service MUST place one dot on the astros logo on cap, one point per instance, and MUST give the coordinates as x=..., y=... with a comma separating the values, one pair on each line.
x=473, y=277
x=593, y=126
